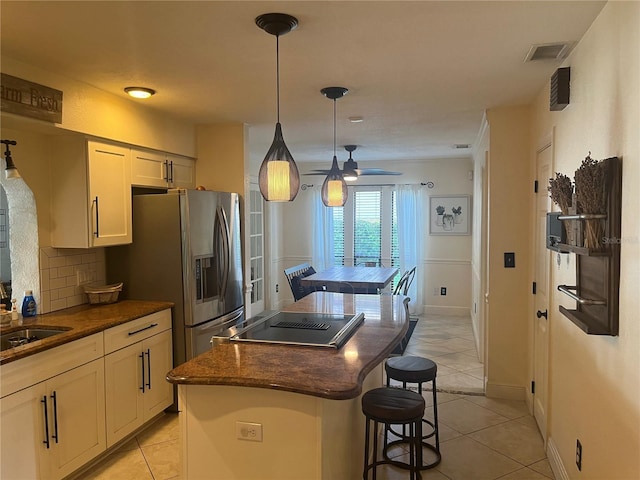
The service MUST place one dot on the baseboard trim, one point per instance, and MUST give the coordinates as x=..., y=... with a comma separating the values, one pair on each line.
x=555, y=461
x=508, y=392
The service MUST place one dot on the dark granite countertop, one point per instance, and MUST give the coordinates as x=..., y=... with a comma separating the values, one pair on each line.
x=318, y=371
x=82, y=321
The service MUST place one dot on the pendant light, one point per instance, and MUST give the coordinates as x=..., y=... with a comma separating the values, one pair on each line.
x=10, y=171
x=278, y=178
x=334, y=188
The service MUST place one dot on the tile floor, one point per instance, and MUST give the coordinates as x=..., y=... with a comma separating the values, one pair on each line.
x=449, y=341
x=480, y=438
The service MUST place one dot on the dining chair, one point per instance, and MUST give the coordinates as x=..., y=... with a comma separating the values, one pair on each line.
x=402, y=287
x=294, y=274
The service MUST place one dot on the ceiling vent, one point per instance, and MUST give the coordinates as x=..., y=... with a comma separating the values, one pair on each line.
x=548, y=51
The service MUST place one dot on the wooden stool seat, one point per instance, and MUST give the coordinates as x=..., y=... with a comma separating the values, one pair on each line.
x=393, y=406
x=411, y=369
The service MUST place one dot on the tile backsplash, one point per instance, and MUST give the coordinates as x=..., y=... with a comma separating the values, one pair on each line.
x=63, y=274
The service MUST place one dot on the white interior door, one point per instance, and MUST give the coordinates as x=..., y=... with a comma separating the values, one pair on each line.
x=541, y=298
x=256, y=234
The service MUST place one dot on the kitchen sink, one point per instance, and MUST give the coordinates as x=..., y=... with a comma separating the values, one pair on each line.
x=27, y=335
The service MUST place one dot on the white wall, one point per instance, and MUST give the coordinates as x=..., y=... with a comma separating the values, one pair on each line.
x=507, y=313
x=595, y=380
x=92, y=111
x=446, y=259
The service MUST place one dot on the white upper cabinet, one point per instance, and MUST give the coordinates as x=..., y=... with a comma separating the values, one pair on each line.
x=157, y=169
x=91, y=193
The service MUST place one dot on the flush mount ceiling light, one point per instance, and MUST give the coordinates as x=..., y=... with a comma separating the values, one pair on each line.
x=334, y=188
x=10, y=171
x=350, y=168
x=278, y=178
x=140, y=92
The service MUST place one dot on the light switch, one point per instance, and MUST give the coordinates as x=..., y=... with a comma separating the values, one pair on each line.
x=509, y=260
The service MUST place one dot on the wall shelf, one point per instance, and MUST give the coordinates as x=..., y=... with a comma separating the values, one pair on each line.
x=598, y=270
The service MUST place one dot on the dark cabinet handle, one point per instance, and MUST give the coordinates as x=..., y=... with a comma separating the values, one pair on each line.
x=142, y=371
x=151, y=325
x=540, y=314
x=166, y=171
x=149, y=369
x=55, y=416
x=46, y=421
x=171, y=164
x=97, y=232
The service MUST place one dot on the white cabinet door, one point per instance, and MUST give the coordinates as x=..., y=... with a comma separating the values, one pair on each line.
x=158, y=169
x=110, y=193
x=90, y=193
x=135, y=373
x=158, y=393
x=123, y=387
x=149, y=169
x=23, y=438
x=76, y=418
x=182, y=172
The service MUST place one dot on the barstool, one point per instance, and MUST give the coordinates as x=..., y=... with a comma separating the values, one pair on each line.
x=393, y=406
x=409, y=369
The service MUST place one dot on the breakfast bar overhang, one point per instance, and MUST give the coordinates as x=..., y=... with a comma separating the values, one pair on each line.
x=304, y=400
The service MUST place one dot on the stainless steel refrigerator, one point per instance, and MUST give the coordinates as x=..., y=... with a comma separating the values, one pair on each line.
x=186, y=249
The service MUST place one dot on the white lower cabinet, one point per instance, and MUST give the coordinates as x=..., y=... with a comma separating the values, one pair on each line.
x=136, y=385
x=53, y=428
x=23, y=434
x=54, y=404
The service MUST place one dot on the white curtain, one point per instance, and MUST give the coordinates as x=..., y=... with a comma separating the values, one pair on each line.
x=410, y=211
x=322, y=246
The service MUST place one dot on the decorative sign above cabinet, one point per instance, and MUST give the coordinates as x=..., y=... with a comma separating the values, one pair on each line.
x=29, y=99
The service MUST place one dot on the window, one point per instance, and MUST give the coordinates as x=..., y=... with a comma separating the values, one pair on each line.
x=366, y=228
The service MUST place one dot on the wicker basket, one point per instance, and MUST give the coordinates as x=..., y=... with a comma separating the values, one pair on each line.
x=104, y=294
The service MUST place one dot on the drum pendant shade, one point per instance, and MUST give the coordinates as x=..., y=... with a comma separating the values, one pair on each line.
x=334, y=189
x=278, y=178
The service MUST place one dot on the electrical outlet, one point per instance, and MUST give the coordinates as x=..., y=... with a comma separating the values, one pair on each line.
x=249, y=431
x=443, y=290
x=579, y=455
x=277, y=288
x=83, y=277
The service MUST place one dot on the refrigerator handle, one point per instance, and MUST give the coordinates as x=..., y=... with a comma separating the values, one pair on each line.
x=223, y=238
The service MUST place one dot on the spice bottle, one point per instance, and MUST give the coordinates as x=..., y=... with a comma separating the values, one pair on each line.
x=28, y=304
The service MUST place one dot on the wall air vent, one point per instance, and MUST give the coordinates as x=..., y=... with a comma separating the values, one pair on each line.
x=559, y=89
x=461, y=146
x=548, y=51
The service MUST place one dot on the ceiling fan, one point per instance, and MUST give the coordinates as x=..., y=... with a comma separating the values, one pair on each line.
x=351, y=172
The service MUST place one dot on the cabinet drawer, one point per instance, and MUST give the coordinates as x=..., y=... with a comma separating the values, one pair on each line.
x=136, y=330
x=41, y=366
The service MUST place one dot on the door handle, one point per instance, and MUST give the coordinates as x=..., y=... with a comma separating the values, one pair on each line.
x=149, y=368
x=141, y=357
x=55, y=416
x=540, y=314
x=97, y=232
x=46, y=421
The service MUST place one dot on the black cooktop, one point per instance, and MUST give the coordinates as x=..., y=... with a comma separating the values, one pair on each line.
x=312, y=329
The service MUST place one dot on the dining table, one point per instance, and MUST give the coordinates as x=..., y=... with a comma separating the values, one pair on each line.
x=369, y=279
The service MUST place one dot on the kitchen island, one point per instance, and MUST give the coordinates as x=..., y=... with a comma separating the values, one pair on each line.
x=272, y=411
